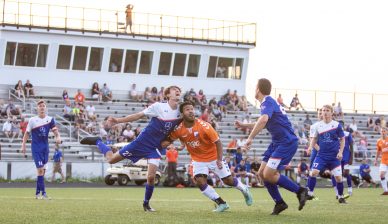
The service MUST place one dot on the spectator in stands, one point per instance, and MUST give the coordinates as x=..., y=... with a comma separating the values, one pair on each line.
x=147, y=96
x=172, y=158
x=68, y=111
x=212, y=102
x=128, y=17
x=303, y=171
x=57, y=164
x=106, y=93
x=161, y=97
x=213, y=122
x=3, y=111
x=307, y=122
x=91, y=126
x=365, y=173
x=255, y=166
x=79, y=98
x=7, y=129
x=338, y=112
x=221, y=71
x=133, y=94
x=15, y=128
x=238, y=156
x=354, y=129
x=295, y=102
x=205, y=115
x=65, y=95
x=246, y=120
x=19, y=89
x=23, y=125
x=11, y=109
x=216, y=112
x=154, y=94
x=241, y=172
x=222, y=104
x=90, y=111
x=243, y=104
x=370, y=123
x=232, y=146
x=201, y=98
x=29, y=89
x=362, y=148
x=128, y=134
x=383, y=121
x=281, y=102
x=96, y=93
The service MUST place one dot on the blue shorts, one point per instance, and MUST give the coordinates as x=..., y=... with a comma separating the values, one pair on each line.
x=325, y=163
x=312, y=156
x=345, y=158
x=284, y=152
x=40, y=158
x=136, y=151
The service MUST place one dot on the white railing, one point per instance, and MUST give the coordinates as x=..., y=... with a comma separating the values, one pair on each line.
x=67, y=126
x=11, y=94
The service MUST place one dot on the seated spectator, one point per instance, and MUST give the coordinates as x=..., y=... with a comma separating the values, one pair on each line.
x=338, y=112
x=216, y=112
x=362, y=148
x=354, y=129
x=128, y=134
x=370, y=123
x=161, y=96
x=11, y=109
x=29, y=89
x=106, y=93
x=241, y=172
x=246, y=120
x=232, y=146
x=214, y=124
x=212, y=102
x=303, y=171
x=377, y=124
x=280, y=102
x=68, y=111
x=79, y=98
x=365, y=174
x=240, y=144
x=201, y=98
x=7, y=129
x=205, y=115
x=65, y=95
x=3, y=111
x=243, y=104
x=90, y=111
x=255, y=166
x=96, y=93
x=19, y=89
x=383, y=122
x=133, y=94
x=307, y=122
x=147, y=96
x=91, y=126
x=15, y=128
x=154, y=94
x=296, y=103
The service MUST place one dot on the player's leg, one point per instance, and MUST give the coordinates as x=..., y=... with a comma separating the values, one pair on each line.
x=201, y=170
x=153, y=165
x=383, y=170
x=337, y=173
x=317, y=165
x=348, y=177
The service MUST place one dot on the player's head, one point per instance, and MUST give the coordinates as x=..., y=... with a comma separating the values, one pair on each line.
x=327, y=112
x=172, y=92
x=41, y=105
x=264, y=87
x=383, y=131
x=187, y=110
x=320, y=114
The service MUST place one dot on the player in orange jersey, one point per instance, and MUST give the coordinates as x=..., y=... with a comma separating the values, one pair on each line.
x=382, y=149
x=206, y=151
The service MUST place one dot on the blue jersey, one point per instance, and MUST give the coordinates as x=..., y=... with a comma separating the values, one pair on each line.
x=362, y=168
x=329, y=135
x=238, y=157
x=348, y=142
x=57, y=156
x=278, y=124
x=39, y=129
x=248, y=167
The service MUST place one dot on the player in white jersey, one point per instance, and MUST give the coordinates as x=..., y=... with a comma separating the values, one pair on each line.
x=39, y=128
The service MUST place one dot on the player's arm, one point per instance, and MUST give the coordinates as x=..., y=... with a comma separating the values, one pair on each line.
x=239, y=124
x=130, y=118
x=351, y=153
x=341, y=149
x=57, y=135
x=313, y=143
x=259, y=125
x=377, y=156
x=26, y=136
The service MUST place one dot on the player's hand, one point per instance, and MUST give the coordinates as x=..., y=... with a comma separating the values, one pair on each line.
x=339, y=156
x=248, y=144
x=165, y=143
x=219, y=164
x=238, y=124
x=111, y=122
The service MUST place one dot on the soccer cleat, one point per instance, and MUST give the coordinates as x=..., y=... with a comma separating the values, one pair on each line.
x=279, y=207
x=346, y=196
x=342, y=201
x=248, y=197
x=221, y=207
x=147, y=208
x=302, y=197
x=37, y=197
x=89, y=140
x=385, y=193
x=312, y=198
x=45, y=197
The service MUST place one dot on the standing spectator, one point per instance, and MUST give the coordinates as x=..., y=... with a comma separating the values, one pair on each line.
x=172, y=158
x=106, y=93
x=19, y=89
x=96, y=93
x=29, y=89
x=57, y=165
x=296, y=103
x=23, y=125
x=65, y=95
x=79, y=97
x=128, y=17
x=281, y=103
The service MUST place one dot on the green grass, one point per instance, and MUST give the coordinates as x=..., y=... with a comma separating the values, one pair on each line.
x=123, y=205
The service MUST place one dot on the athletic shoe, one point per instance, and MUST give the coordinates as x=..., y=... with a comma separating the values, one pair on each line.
x=147, y=208
x=37, y=197
x=221, y=208
x=45, y=197
x=346, y=196
x=385, y=193
x=279, y=207
x=302, y=197
x=312, y=198
x=342, y=201
x=248, y=197
x=89, y=140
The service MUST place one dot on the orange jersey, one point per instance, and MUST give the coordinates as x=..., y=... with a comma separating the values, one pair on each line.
x=382, y=146
x=199, y=140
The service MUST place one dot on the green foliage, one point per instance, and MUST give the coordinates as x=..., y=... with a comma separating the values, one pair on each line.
x=188, y=205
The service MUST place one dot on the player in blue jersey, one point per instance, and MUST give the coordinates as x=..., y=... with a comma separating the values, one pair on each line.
x=331, y=139
x=281, y=150
x=39, y=127
x=164, y=118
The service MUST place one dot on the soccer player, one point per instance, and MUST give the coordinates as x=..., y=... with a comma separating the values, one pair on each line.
x=165, y=116
x=205, y=148
x=331, y=139
x=365, y=173
x=39, y=128
x=281, y=150
x=382, y=149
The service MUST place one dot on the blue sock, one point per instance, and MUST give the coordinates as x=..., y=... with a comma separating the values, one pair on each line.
x=273, y=190
x=333, y=181
x=41, y=183
x=37, y=186
x=312, y=182
x=340, y=188
x=148, y=193
x=349, y=180
x=288, y=184
x=102, y=147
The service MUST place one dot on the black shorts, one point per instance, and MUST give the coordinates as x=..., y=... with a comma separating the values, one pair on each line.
x=367, y=178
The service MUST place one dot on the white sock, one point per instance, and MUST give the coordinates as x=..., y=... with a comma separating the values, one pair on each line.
x=350, y=190
x=336, y=190
x=247, y=181
x=214, y=181
x=384, y=185
x=310, y=193
x=210, y=193
x=298, y=179
x=241, y=186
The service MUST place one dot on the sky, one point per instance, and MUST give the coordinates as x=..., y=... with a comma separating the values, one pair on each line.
x=335, y=45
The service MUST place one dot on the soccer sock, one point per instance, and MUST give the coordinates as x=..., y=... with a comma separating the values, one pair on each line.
x=219, y=201
x=333, y=181
x=237, y=184
x=298, y=179
x=384, y=184
x=273, y=190
x=336, y=190
x=209, y=192
x=214, y=181
x=247, y=181
x=312, y=182
x=340, y=188
x=41, y=183
x=102, y=147
x=288, y=184
x=349, y=180
x=37, y=185
x=149, y=189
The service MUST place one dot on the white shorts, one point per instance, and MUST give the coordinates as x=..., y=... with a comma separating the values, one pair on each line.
x=204, y=167
x=383, y=167
x=337, y=172
x=154, y=161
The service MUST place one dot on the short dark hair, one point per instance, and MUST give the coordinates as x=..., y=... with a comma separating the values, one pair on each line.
x=167, y=90
x=185, y=104
x=264, y=86
x=40, y=102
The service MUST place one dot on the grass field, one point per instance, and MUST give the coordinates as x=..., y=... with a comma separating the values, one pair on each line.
x=123, y=205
